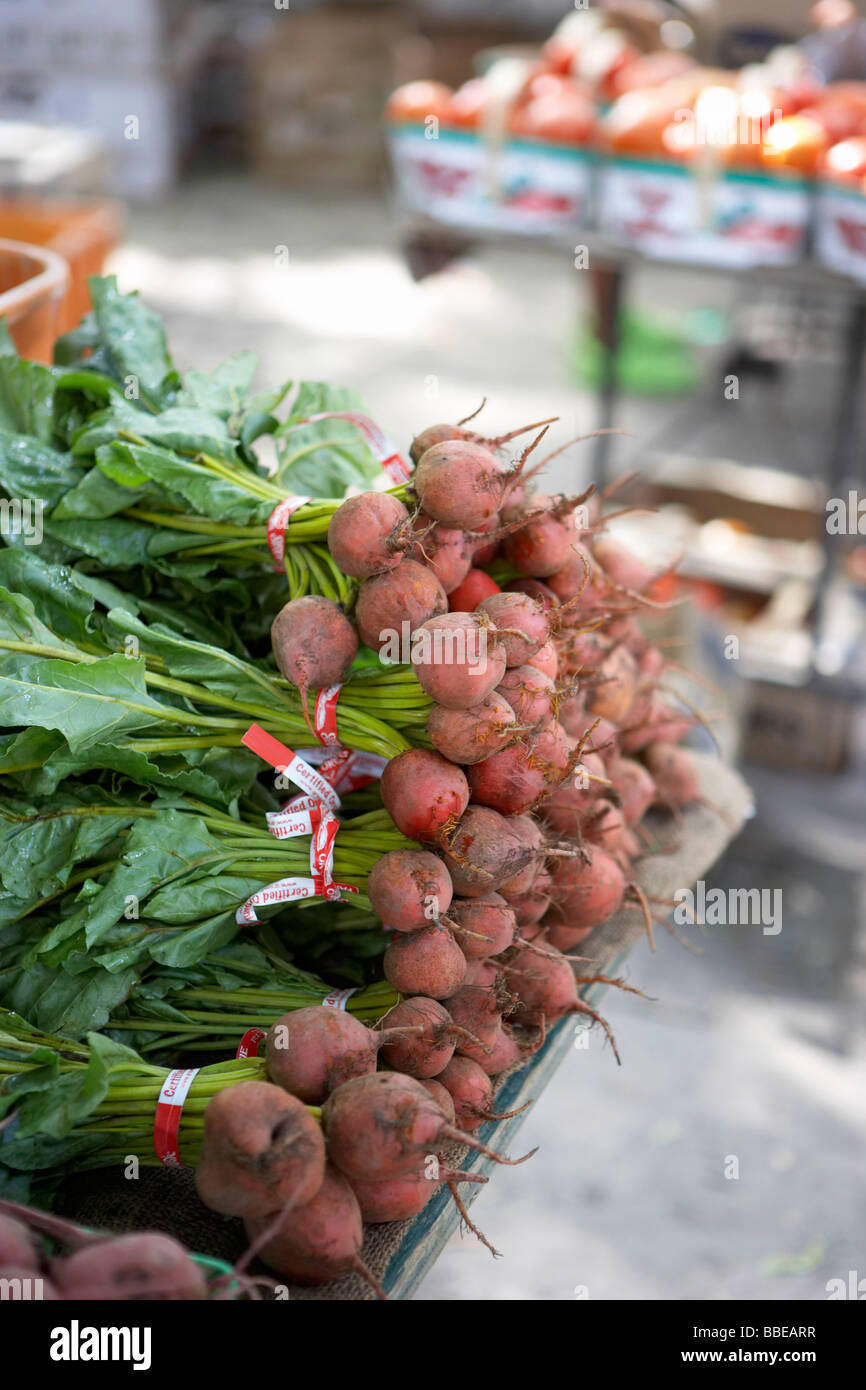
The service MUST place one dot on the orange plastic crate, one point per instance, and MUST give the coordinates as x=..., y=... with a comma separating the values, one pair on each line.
x=33, y=284
x=82, y=233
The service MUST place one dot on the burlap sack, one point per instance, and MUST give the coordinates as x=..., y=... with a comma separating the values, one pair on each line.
x=165, y=1199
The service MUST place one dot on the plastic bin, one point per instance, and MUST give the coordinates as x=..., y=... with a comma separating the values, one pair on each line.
x=82, y=233
x=33, y=283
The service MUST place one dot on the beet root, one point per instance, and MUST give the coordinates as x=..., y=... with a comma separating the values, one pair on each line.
x=471, y=735
x=423, y=1054
x=484, y=926
x=409, y=889
x=399, y=1199
x=17, y=1246
x=589, y=890
x=546, y=987
x=428, y=961
x=409, y=594
x=448, y=553
x=635, y=787
x=261, y=1150
x=459, y=483
x=433, y=1086
x=475, y=586
x=522, y=623
x=424, y=794
x=383, y=1126
x=369, y=534
x=482, y=852
x=531, y=695
x=674, y=773
x=314, y=643
x=312, y=1051
x=458, y=658
x=142, y=1265
x=319, y=1241
x=471, y=1093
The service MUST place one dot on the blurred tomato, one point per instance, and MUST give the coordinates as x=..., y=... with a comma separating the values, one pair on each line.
x=635, y=123
x=837, y=118
x=468, y=103
x=649, y=70
x=561, y=51
x=795, y=142
x=417, y=100
x=845, y=162
x=840, y=109
x=564, y=114
x=600, y=61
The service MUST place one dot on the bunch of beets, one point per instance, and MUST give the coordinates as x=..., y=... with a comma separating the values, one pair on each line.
x=551, y=738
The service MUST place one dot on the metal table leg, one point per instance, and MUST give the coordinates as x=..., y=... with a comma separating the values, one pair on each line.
x=608, y=284
x=845, y=467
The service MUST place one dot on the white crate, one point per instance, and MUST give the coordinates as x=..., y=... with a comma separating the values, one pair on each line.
x=87, y=33
x=736, y=218
x=840, y=230
x=138, y=167
x=522, y=186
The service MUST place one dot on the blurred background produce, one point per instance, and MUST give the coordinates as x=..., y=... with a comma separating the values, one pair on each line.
x=229, y=159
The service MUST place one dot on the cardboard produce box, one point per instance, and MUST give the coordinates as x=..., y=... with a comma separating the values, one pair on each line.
x=840, y=229
x=523, y=186
x=731, y=218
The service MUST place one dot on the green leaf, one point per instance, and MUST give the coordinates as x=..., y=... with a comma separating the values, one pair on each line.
x=316, y=397
x=89, y=705
x=7, y=347
x=133, y=338
x=189, y=902
x=211, y=666
x=41, y=845
x=222, y=391
x=60, y=600
x=324, y=459
x=186, y=428
x=70, y=1004
x=205, y=491
x=96, y=496
x=26, y=398
x=19, y=623
x=71, y=347
x=218, y=776
x=160, y=849
x=115, y=542
x=29, y=468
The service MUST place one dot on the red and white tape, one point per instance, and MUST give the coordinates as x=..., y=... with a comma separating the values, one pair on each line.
x=325, y=715
x=284, y=761
x=383, y=449
x=249, y=1043
x=347, y=770
x=277, y=523
x=294, y=820
x=311, y=814
x=169, y=1108
x=322, y=851
x=338, y=998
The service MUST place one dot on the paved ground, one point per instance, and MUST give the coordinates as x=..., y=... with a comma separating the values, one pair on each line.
x=749, y=1060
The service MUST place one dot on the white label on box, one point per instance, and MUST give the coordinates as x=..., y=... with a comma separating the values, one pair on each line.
x=840, y=238
x=520, y=186
x=736, y=219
